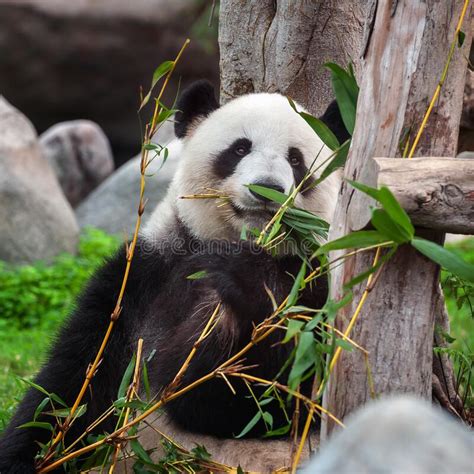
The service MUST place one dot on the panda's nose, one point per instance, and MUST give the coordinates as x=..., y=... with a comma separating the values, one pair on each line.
x=266, y=184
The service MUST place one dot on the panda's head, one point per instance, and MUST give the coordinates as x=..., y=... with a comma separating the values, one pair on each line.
x=254, y=139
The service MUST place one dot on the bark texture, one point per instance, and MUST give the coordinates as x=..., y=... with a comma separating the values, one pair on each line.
x=281, y=46
x=406, y=55
x=437, y=193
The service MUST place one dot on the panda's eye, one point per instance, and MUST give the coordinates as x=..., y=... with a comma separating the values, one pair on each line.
x=241, y=150
x=295, y=157
x=294, y=160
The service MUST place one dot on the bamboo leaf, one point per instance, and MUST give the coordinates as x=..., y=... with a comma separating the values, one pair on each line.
x=197, y=276
x=314, y=322
x=316, y=226
x=294, y=327
x=38, y=424
x=305, y=357
x=271, y=194
x=346, y=91
x=146, y=381
x=134, y=403
x=332, y=307
x=127, y=377
x=396, y=211
x=445, y=258
x=164, y=114
x=268, y=419
x=355, y=240
x=297, y=286
x=65, y=412
x=40, y=407
x=364, y=275
x=278, y=431
x=295, y=212
x=262, y=403
x=345, y=345
x=35, y=385
x=372, y=192
x=160, y=71
x=338, y=161
x=388, y=227
x=52, y=396
x=322, y=130
x=250, y=424
x=200, y=452
x=390, y=204
x=139, y=450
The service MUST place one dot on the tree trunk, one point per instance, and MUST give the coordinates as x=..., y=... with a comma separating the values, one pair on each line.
x=281, y=46
x=404, y=61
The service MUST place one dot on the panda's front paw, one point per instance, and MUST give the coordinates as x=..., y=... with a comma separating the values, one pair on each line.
x=240, y=279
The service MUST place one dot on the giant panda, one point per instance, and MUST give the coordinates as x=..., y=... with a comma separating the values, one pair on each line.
x=254, y=139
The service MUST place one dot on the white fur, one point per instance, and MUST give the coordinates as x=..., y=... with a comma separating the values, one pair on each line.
x=272, y=126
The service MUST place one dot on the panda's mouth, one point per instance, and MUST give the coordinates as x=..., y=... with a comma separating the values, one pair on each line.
x=265, y=211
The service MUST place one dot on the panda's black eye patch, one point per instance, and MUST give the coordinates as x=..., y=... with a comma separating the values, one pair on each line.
x=296, y=160
x=227, y=160
x=242, y=147
x=295, y=157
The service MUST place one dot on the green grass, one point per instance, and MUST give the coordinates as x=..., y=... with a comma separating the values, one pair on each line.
x=21, y=356
x=459, y=298
x=460, y=305
x=34, y=299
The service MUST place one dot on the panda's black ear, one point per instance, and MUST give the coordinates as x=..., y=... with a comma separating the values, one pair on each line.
x=333, y=119
x=196, y=102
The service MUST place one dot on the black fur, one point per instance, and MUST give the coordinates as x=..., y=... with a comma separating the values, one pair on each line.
x=225, y=164
x=197, y=101
x=158, y=305
x=169, y=311
x=333, y=119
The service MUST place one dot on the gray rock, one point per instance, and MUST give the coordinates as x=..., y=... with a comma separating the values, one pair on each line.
x=80, y=155
x=86, y=59
x=397, y=435
x=113, y=205
x=36, y=221
x=466, y=154
x=155, y=10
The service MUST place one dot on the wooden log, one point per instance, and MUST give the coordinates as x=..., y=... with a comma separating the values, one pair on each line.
x=408, y=48
x=437, y=193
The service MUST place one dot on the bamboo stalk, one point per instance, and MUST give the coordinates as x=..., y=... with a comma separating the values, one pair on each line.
x=132, y=391
x=129, y=256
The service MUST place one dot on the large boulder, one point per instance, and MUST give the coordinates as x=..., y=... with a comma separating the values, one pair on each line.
x=397, y=435
x=36, y=221
x=80, y=155
x=86, y=59
x=113, y=205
